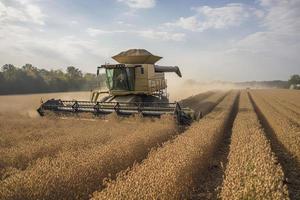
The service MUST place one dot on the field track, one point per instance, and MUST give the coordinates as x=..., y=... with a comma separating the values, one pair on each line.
x=246, y=146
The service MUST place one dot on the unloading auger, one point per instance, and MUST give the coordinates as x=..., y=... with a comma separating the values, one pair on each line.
x=135, y=86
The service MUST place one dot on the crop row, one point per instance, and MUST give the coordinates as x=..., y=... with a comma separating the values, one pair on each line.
x=252, y=171
x=75, y=174
x=169, y=172
x=15, y=130
x=290, y=98
x=87, y=135
x=285, y=137
x=19, y=129
x=281, y=106
x=287, y=131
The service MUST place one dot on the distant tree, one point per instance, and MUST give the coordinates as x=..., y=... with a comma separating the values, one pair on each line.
x=75, y=78
x=74, y=73
x=58, y=80
x=8, y=67
x=2, y=82
x=9, y=71
x=294, y=80
x=90, y=81
x=30, y=79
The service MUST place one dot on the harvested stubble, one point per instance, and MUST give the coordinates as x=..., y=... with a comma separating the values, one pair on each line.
x=288, y=96
x=287, y=131
x=286, y=109
x=74, y=135
x=169, y=172
x=252, y=171
x=74, y=175
x=281, y=105
x=285, y=139
x=19, y=129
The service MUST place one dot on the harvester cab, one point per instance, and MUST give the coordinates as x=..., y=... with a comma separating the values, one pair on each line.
x=134, y=86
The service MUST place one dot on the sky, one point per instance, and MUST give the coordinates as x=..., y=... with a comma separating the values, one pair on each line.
x=208, y=39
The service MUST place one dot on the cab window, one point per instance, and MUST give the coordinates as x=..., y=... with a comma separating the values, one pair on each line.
x=120, y=78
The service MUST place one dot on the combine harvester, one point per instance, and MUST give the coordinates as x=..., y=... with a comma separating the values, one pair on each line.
x=135, y=86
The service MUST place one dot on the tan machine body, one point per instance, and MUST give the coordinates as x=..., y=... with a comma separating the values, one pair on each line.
x=140, y=71
x=134, y=86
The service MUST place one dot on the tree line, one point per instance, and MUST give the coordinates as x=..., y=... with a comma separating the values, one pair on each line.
x=30, y=79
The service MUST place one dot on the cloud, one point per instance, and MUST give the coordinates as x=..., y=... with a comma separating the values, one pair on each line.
x=138, y=4
x=266, y=49
x=282, y=16
x=269, y=2
x=18, y=47
x=8, y=13
x=207, y=17
x=162, y=35
x=35, y=14
x=222, y=17
x=276, y=46
x=188, y=23
x=74, y=22
x=149, y=34
x=96, y=32
x=270, y=51
x=282, y=26
x=22, y=12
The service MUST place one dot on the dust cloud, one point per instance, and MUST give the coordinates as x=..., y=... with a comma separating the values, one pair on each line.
x=182, y=89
